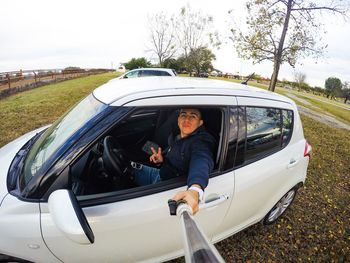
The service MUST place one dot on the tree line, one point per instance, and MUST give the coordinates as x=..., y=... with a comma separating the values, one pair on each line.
x=197, y=61
x=280, y=31
x=334, y=87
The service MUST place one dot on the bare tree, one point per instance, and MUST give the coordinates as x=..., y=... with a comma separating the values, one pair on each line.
x=195, y=30
x=284, y=31
x=162, y=38
x=299, y=78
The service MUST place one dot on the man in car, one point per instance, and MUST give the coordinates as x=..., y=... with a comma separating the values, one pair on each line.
x=189, y=153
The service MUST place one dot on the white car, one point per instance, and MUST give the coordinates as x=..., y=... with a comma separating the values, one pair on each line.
x=65, y=195
x=149, y=72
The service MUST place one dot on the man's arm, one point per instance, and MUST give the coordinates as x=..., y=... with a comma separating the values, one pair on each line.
x=201, y=164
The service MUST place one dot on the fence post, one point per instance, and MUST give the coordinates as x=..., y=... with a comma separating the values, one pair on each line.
x=34, y=77
x=8, y=80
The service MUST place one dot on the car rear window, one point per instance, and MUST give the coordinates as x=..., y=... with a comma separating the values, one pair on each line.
x=256, y=132
x=264, y=131
x=287, y=126
x=148, y=73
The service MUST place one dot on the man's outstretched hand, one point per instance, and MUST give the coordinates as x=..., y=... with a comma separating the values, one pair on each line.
x=156, y=157
x=191, y=197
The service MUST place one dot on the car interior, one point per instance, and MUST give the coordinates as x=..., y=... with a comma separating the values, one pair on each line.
x=106, y=166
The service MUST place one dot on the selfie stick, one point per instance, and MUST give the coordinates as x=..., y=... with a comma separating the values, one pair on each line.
x=196, y=246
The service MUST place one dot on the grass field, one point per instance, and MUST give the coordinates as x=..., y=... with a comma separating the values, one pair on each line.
x=321, y=104
x=315, y=229
x=32, y=109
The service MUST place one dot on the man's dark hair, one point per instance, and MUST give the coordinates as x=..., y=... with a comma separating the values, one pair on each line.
x=199, y=111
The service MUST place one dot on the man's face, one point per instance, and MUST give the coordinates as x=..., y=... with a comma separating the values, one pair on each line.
x=189, y=120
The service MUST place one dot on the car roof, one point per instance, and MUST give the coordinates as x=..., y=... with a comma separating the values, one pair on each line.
x=160, y=69
x=120, y=92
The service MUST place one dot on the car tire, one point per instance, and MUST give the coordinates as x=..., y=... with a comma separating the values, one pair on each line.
x=7, y=259
x=280, y=207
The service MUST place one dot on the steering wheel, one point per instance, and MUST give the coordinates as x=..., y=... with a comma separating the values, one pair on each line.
x=113, y=156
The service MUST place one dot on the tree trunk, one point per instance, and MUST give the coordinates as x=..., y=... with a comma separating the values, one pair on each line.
x=160, y=61
x=278, y=53
x=276, y=68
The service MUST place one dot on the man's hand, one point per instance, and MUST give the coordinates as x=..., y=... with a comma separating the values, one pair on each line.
x=191, y=197
x=156, y=157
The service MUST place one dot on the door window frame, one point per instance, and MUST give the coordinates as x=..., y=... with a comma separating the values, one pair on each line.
x=241, y=144
x=140, y=191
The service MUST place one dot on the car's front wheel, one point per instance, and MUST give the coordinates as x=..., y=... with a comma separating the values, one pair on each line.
x=278, y=210
x=5, y=258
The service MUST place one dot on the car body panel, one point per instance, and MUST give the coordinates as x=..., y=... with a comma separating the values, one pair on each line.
x=20, y=231
x=143, y=223
x=120, y=92
x=197, y=100
x=260, y=184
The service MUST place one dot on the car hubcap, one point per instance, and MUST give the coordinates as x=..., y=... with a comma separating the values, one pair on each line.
x=282, y=205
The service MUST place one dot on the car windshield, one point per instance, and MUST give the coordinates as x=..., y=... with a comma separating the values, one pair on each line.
x=58, y=135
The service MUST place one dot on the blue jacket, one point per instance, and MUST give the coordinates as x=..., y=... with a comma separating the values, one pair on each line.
x=191, y=156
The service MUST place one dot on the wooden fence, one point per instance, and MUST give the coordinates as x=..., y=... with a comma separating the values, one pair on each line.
x=15, y=81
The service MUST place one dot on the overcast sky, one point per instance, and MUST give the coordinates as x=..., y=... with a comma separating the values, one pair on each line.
x=47, y=34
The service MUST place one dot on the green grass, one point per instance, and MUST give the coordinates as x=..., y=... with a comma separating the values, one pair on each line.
x=340, y=113
x=35, y=108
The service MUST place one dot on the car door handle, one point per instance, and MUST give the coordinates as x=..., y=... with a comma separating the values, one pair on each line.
x=214, y=202
x=292, y=163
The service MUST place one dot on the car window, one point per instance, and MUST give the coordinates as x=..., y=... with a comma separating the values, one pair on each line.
x=264, y=131
x=164, y=73
x=91, y=174
x=42, y=152
x=232, y=138
x=287, y=126
x=132, y=74
x=148, y=73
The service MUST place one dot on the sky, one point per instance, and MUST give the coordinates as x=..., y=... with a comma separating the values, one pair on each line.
x=49, y=34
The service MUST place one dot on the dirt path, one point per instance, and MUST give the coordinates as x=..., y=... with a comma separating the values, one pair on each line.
x=328, y=120
x=323, y=100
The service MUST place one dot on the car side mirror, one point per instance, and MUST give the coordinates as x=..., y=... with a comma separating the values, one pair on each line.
x=69, y=217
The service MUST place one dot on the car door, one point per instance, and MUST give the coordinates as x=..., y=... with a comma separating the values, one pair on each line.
x=140, y=228
x=261, y=173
